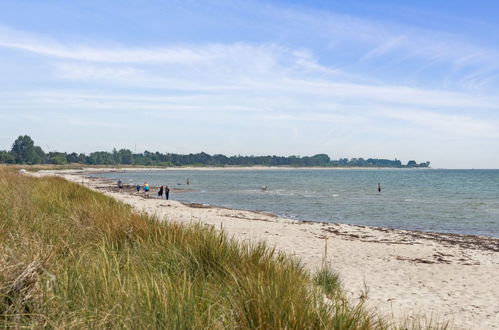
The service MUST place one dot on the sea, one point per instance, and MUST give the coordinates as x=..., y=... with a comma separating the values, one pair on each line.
x=450, y=201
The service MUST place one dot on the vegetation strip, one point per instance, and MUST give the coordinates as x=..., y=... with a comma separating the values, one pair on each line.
x=24, y=151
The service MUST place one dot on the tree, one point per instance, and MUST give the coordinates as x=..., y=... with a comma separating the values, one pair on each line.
x=343, y=161
x=321, y=160
x=82, y=159
x=425, y=164
x=24, y=150
x=125, y=156
x=72, y=157
x=6, y=157
x=58, y=158
x=39, y=156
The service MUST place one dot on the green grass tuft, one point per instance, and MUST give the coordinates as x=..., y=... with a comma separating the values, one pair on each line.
x=329, y=281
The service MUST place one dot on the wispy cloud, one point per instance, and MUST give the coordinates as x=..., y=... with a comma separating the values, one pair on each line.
x=89, y=71
x=46, y=46
x=259, y=55
x=449, y=124
x=383, y=37
x=266, y=66
x=394, y=44
x=91, y=123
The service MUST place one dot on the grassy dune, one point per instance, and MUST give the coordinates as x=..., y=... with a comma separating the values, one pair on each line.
x=74, y=258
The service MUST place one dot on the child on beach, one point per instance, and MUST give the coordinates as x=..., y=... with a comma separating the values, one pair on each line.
x=160, y=192
x=146, y=189
x=138, y=188
x=167, y=192
x=120, y=185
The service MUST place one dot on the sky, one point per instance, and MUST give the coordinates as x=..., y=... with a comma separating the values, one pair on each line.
x=382, y=79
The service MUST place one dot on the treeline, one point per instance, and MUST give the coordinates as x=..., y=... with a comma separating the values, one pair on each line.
x=24, y=151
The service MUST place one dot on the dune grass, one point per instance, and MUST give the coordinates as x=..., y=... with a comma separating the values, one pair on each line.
x=74, y=258
x=329, y=281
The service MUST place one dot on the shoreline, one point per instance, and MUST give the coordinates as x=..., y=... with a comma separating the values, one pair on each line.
x=89, y=170
x=405, y=272
x=465, y=240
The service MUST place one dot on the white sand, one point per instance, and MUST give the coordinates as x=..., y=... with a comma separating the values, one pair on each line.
x=445, y=277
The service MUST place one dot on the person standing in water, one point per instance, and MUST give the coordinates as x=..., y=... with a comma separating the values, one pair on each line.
x=379, y=187
x=160, y=192
x=167, y=192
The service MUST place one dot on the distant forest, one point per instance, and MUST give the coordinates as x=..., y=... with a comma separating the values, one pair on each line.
x=24, y=151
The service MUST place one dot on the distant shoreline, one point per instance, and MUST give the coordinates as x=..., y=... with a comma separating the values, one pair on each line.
x=112, y=168
x=104, y=168
x=217, y=168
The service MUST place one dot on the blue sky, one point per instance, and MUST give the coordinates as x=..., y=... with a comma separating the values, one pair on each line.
x=385, y=79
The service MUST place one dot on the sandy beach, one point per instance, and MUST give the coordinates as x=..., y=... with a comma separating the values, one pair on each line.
x=398, y=273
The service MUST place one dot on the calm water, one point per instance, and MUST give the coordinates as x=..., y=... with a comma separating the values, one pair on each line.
x=456, y=201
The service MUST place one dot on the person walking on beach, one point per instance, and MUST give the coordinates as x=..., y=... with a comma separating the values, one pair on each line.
x=138, y=188
x=146, y=189
x=379, y=187
x=167, y=192
x=120, y=185
x=160, y=192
